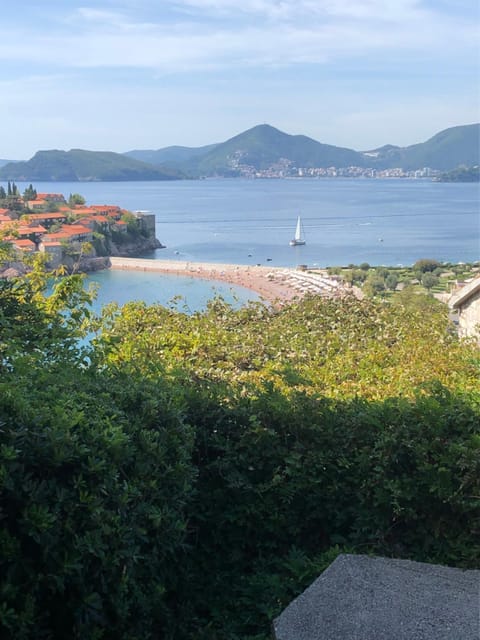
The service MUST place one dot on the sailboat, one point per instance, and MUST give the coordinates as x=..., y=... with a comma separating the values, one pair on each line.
x=299, y=234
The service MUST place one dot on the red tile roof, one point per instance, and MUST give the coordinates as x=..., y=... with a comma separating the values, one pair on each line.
x=69, y=231
x=51, y=243
x=46, y=216
x=24, y=244
x=26, y=230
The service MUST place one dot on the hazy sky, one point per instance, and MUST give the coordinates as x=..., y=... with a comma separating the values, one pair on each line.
x=144, y=74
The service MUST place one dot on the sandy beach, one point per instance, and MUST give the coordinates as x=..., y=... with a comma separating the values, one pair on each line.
x=274, y=284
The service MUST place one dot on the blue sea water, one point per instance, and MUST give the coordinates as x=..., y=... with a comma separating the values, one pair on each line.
x=382, y=222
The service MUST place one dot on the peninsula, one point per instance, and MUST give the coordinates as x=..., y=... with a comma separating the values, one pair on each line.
x=69, y=234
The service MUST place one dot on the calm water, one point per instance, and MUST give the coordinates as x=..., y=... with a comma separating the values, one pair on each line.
x=180, y=292
x=387, y=222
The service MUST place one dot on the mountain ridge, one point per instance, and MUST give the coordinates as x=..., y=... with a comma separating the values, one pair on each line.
x=259, y=149
x=80, y=165
x=264, y=145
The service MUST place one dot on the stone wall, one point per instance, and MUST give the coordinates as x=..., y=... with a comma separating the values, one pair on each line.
x=368, y=598
x=466, y=301
x=469, y=318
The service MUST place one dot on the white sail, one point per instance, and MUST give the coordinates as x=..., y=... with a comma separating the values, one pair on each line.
x=298, y=230
x=298, y=239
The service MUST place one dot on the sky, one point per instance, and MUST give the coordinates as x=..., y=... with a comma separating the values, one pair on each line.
x=146, y=74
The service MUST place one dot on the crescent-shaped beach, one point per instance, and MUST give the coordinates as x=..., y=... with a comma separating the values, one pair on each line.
x=273, y=284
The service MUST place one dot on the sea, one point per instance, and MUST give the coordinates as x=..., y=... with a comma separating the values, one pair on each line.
x=251, y=221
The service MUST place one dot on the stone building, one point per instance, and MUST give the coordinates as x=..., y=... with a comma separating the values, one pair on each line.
x=466, y=301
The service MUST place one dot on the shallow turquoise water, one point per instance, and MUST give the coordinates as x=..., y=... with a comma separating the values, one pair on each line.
x=184, y=293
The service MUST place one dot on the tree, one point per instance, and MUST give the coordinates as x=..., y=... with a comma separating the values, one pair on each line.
x=76, y=251
x=374, y=284
x=391, y=281
x=425, y=264
x=29, y=193
x=75, y=198
x=3, y=194
x=429, y=280
x=382, y=272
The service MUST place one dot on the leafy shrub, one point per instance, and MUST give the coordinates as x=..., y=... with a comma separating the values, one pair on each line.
x=95, y=478
x=187, y=476
x=425, y=265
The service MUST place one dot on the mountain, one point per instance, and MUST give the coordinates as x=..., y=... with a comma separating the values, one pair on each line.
x=261, y=148
x=4, y=162
x=174, y=156
x=80, y=165
x=445, y=151
x=264, y=146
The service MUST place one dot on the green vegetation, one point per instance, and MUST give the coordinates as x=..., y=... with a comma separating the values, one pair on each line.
x=462, y=174
x=426, y=275
x=80, y=165
x=259, y=148
x=176, y=157
x=446, y=150
x=184, y=477
x=264, y=146
x=75, y=198
x=11, y=199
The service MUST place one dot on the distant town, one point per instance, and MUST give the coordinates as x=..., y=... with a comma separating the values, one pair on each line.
x=286, y=169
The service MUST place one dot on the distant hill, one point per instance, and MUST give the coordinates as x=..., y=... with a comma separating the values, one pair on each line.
x=462, y=174
x=445, y=151
x=264, y=146
x=4, y=162
x=80, y=165
x=175, y=156
x=261, y=148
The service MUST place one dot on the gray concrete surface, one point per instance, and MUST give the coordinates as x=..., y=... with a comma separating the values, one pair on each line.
x=365, y=598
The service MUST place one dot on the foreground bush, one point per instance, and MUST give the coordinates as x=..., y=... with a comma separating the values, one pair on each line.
x=95, y=478
x=188, y=476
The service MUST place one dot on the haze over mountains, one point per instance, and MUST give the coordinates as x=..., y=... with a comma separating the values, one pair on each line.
x=263, y=146
x=80, y=165
x=259, y=148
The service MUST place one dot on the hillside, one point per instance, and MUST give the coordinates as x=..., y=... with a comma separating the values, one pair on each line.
x=264, y=146
x=175, y=156
x=80, y=165
x=462, y=174
x=445, y=151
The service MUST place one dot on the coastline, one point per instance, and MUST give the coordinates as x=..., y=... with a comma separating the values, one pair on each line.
x=275, y=285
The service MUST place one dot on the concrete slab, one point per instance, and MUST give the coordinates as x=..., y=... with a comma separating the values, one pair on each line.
x=365, y=598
